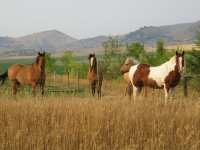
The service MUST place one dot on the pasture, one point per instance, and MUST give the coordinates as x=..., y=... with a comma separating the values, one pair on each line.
x=68, y=121
x=67, y=116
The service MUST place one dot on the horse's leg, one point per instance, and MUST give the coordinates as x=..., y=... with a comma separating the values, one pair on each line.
x=93, y=88
x=129, y=90
x=139, y=90
x=42, y=87
x=135, y=92
x=172, y=91
x=166, y=90
x=33, y=87
x=126, y=90
x=99, y=90
x=145, y=91
x=15, y=85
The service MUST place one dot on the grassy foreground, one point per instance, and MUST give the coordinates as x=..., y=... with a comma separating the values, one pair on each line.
x=111, y=123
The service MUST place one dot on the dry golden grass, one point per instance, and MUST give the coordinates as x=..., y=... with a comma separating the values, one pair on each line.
x=185, y=47
x=67, y=122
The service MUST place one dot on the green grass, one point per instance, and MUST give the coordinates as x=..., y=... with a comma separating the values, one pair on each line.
x=4, y=64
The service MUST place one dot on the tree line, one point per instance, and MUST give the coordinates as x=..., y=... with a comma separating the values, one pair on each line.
x=114, y=55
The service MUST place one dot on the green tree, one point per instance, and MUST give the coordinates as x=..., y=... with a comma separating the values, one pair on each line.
x=160, y=47
x=50, y=63
x=112, y=57
x=197, y=41
x=112, y=45
x=69, y=61
x=137, y=51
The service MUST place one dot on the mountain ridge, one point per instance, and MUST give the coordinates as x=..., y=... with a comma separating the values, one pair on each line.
x=54, y=40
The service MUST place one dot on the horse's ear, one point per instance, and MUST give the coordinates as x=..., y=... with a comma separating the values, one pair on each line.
x=176, y=53
x=39, y=53
x=90, y=55
x=43, y=54
x=183, y=53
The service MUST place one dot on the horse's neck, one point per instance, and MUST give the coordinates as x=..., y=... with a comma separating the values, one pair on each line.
x=94, y=70
x=169, y=65
x=36, y=67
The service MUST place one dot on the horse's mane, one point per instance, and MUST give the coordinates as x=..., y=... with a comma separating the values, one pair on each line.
x=37, y=60
x=170, y=63
x=172, y=60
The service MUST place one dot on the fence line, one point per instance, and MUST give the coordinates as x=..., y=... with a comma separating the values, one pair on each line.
x=185, y=83
x=68, y=84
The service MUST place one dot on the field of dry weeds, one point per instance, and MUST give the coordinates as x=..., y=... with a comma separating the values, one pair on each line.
x=114, y=122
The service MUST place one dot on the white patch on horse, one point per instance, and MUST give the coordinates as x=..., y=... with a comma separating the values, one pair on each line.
x=180, y=64
x=159, y=73
x=92, y=61
x=132, y=72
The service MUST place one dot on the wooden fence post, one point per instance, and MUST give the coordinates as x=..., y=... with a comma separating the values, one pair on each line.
x=54, y=78
x=78, y=81
x=185, y=86
x=68, y=78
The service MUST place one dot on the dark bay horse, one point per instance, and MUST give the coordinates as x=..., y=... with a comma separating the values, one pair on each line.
x=95, y=75
x=33, y=74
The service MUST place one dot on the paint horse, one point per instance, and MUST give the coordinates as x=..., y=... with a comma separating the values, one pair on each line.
x=124, y=69
x=165, y=76
x=33, y=74
x=95, y=75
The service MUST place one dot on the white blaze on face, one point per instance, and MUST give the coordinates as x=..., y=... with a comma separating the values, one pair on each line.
x=180, y=63
x=92, y=61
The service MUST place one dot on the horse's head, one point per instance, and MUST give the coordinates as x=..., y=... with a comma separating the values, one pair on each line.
x=127, y=65
x=180, y=61
x=40, y=60
x=92, y=60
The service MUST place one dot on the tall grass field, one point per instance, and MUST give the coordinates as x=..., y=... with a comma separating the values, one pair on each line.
x=68, y=122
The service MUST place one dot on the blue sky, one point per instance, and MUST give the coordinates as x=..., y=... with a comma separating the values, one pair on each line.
x=88, y=18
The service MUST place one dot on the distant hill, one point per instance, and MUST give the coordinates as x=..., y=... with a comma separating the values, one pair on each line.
x=171, y=34
x=54, y=40
x=48, y=40
x=95, y=42
x=51, y=40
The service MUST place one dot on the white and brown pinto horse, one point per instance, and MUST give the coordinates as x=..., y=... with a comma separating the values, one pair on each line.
x=95, y=75
x=165, y=76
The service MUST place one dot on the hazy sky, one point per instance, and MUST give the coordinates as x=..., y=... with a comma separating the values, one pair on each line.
x=88, y=18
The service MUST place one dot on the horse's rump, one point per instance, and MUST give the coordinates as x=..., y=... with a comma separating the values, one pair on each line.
x=140, y=75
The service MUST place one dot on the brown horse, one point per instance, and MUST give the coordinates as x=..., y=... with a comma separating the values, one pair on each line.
x=33, y=74
x=95, y=75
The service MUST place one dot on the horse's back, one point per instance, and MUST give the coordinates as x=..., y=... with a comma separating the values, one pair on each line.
x=21, y=73
x=14, y=70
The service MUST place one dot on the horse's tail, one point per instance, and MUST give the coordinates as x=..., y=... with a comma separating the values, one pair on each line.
x=3, y=77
